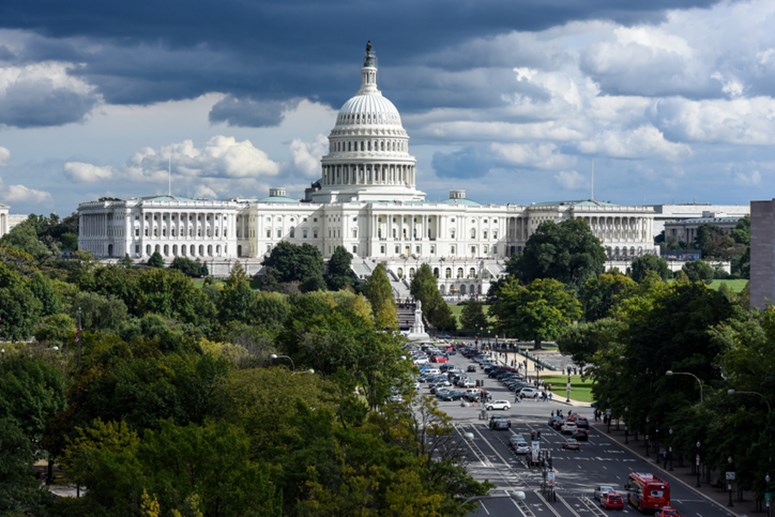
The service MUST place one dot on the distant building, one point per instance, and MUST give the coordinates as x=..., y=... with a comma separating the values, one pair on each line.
x=685, y=230
x=762, y=284
x=8, y=220
x=366, y=200
x=664, y=214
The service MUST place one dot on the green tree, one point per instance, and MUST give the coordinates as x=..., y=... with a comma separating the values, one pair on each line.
x=741, y=263
x=583, y=340
x=236, y=301
x=300, y=264
x=698, y=270
x=715, y=243
x=192, y=268
x=600, y=294
x=19, y=490
x=536, y=312
x=24, y=236
x=339, y=275
x=568, y=252
x=156, y=260
x=424, y=287
x=20, y=309
x=472, y=316
x=645, y=263
x=380, y=294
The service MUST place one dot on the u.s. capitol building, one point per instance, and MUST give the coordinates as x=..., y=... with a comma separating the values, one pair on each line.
x=367, y=201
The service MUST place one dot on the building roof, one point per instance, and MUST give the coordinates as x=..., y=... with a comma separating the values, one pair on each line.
x=277, y=199
x=581, y=202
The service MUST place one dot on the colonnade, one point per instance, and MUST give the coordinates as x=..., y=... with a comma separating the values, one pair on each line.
x=371, y=174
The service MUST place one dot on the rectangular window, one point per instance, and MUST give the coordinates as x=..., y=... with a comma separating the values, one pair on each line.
x=279, y=233
x=382, y=249
x=269, y=234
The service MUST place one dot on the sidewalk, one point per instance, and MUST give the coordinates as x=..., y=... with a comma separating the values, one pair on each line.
x=683, y=472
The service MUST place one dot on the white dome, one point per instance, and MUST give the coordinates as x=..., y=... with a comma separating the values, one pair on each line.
x=370, y=108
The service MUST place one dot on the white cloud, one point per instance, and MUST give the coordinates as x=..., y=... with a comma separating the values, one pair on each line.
x=5, y=156
x=570, y=180
x=749, y=178
x=642, y=142
x=540, y=156
x=86, y=172
x=305, y=157
x=22, y=194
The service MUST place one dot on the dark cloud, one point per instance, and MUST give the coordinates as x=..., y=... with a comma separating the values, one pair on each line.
x=469, y=162
x=148, y=51
x=249, y=112
x=30, y=103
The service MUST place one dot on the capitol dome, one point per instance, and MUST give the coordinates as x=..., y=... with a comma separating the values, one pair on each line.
x=368, y=149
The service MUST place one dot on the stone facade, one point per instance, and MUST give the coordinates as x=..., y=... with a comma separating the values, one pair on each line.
x=762, y=284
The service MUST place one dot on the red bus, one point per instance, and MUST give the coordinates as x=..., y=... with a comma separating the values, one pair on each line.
x=647, y=491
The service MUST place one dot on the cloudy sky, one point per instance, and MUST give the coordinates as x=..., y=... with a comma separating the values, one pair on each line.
x=514, y=101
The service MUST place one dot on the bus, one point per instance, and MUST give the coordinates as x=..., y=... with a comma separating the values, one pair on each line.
x=647, y=492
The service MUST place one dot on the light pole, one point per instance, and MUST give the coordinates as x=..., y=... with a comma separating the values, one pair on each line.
x=670, y=373
x=670, y=448
x=626, y=428
x=293, y=365
x=646, y=438
x=767, y=494
x=730, y=477
x=733, y=391
x=697, y=463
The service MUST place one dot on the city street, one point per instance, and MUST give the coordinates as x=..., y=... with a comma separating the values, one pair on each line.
x=601, y=460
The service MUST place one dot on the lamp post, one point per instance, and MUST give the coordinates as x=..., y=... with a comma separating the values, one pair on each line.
x=697, y=463
x=767, y=494
x=293, y=365
x=670, y=448
x=670, y=373
x=730, y=477
x=646, y=438
x=733, y=391
x=626, y=428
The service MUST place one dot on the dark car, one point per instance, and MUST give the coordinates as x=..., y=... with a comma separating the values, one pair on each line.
x=451, y=395
x=471, y=368
x=582, y=422
x=500, y=423
x=581, y=435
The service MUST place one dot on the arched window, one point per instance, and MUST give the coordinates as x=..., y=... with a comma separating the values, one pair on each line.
x=460, y=272
x=448, y=273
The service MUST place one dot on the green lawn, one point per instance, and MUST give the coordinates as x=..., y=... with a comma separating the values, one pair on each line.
x=581, y=390
x=735, y=285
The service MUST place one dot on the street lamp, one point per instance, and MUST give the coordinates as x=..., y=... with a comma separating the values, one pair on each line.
x=670, y=448
x=767, y=494
x=293, y=365
x=626, y=427
x=646, y=438
x=730, y=477
x=697, y=463
x=670, y=373
x=733, y=391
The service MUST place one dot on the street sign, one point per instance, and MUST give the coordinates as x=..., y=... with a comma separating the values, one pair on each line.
x=767, y=497
x=730, y=476
x=550, y=478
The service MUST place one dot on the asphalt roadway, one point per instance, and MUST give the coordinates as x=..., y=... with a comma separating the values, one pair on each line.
x=601, y=461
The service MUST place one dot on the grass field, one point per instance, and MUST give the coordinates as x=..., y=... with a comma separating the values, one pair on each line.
x=581, y=390
x=735, y=285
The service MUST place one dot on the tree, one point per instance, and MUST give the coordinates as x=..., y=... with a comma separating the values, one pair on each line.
x=300, y=264
x=236, y=300
x=156, y=260
x=472, y=316
x=645, y=263
x=192, y=268
x=698, y=270
x=20, y=493
x=537, y=312
x=380, y=294
x=19, y=307
x=715, y=243
x=339, y=276
x=600, y=294
x=568, y=252
x=583, y=340
x=424, y=287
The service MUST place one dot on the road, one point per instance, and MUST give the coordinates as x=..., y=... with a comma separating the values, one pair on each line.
x=600, y=461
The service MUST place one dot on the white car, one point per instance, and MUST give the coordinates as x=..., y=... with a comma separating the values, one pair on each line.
x=499, y=404
x=529, y=393
x=602, y=489
x=569, y=428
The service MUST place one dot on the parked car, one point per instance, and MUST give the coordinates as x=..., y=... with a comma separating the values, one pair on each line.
x=499, y=404
x=571, y=444
x=451, y=395
x=529, y=393
x=500, y=423
x=612, y=501
x=602, y=489
x=471, y=368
